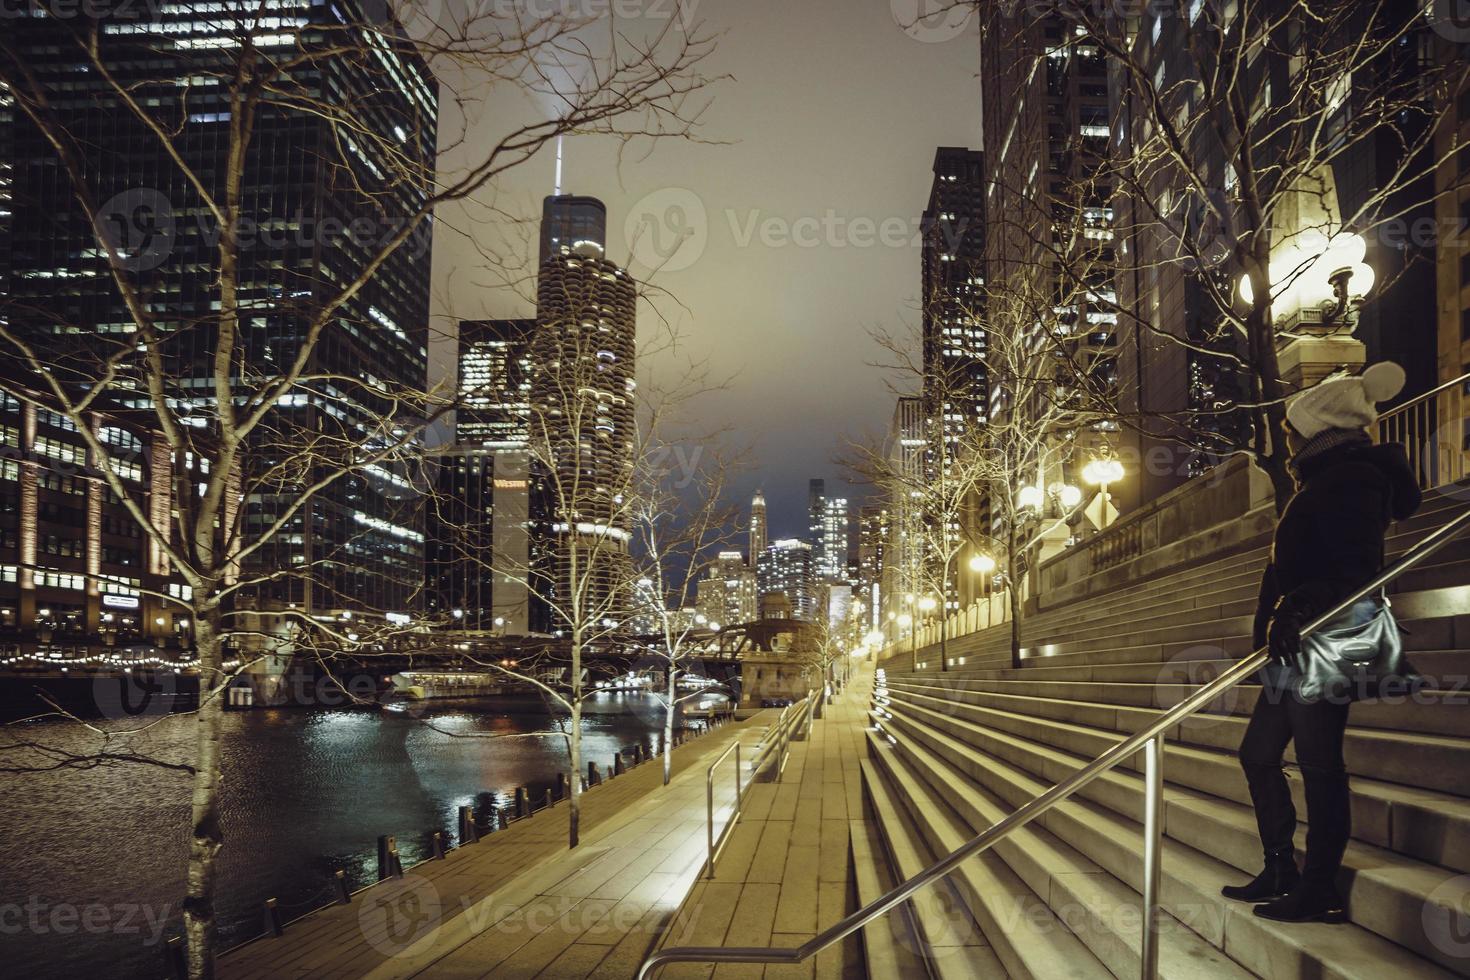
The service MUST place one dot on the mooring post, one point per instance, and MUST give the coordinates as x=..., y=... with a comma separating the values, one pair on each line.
x=549, y=801
x=523, y=805
x=468, y=832
x=561, y=786
x=593, y=778
x=617, y=769
x=339, y=880
x=388, y=863
x=273, y=918
x=437, y=843
x=500, y=815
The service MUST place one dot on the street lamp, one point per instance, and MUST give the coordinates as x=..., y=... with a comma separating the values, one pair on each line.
x=1100, y=473
x=982, y=564
x=1316, y=277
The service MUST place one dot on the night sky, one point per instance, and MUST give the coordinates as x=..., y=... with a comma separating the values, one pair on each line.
x=832, y=116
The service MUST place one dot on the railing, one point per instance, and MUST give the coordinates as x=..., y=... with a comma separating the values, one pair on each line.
x=776, y=738
x=1436, y=445
x=1149, y=739
x=715, y=846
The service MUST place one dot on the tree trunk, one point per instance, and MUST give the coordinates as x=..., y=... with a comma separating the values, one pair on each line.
x=1014, y=600
x=206, y=839
x=574, y=742
x=574, y=807
x=669, y=726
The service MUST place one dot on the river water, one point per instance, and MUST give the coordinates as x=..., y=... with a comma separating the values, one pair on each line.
x=93, y=861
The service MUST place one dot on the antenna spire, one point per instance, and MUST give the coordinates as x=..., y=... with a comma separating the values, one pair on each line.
x=558, y=164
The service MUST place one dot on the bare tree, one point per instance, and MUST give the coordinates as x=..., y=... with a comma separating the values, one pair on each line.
x=1227, y=242
x=681, y=521
x=259, y=436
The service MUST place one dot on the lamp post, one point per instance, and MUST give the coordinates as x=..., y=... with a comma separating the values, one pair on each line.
x=1317, y=285
x=1100, y=473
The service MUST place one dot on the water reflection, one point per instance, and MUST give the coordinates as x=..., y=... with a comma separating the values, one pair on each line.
x=305, y=794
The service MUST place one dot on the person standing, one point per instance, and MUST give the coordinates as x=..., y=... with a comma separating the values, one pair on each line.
x=1328, y=544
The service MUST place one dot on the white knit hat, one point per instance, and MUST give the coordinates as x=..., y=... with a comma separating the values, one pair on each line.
x=1349, y=402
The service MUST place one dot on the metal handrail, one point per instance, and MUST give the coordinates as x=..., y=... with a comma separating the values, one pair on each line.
x=1419, y=399
x=1150, y=739
x=778, y=734
x=715, y=846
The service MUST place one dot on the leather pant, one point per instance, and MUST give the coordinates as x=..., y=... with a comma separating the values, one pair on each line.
x=1317, y=729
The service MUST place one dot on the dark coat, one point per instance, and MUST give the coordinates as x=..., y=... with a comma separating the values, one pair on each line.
x=1329, y=541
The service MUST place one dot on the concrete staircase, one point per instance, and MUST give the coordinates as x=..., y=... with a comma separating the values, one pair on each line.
x=951, y=752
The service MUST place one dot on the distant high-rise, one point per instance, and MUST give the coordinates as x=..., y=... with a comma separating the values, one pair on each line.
x=477, y=522
x=955, y=383
x=494, y=383
x=874, y=529
x=828, y=532
x=906, y=452
x=582, y=412
x=786, y=567
x=478, y=546
x=728, y=592
x=757, y=546
x=571, y=223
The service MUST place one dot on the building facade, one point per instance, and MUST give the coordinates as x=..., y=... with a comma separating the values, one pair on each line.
x=788, y=567
x=829, y=530
x=582, y=438
x=728, y=594
x=756, y=546
x=313, y=212
x=80, y=579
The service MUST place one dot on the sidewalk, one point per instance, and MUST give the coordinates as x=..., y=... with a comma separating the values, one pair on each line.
x=519, y=903
x=786, y=872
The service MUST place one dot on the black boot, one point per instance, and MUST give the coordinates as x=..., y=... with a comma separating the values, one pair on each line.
x=1329, y=808
x=1311, y=901
x=1279, y=877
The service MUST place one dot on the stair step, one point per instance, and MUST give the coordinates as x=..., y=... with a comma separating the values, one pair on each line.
x=889, y=943
x=1103, y=912
x=1029, y=940
x=1419, y=822
x=1194, y=876
x=1442, y=711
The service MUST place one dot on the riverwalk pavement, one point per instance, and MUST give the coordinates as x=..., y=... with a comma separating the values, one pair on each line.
x=787, y=872
x=519, y=903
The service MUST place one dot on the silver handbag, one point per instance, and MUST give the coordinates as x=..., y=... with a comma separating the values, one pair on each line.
x=1360, y=654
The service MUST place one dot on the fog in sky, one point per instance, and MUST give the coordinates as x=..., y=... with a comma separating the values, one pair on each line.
x=800, y=215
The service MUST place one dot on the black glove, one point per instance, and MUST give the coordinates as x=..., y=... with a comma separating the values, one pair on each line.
x=1284, y=637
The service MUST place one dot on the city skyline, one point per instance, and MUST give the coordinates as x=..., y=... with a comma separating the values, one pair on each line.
x=753, y=183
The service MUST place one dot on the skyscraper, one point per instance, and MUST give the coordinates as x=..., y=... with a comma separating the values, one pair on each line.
x=786, y=567
x=757, y=545
x=906, y=453
x=955, y=388
x=582, y=429
x=477, y=520
x=494, y=401
x=874, y=530
x=359, y=542
x=572, y=223
x=727, y=593
x=828, y=531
